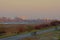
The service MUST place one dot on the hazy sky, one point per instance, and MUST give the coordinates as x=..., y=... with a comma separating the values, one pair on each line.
x=30, y=8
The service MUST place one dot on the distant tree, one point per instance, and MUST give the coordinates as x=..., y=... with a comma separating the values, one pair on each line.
x=41, y=26
x=55, y=23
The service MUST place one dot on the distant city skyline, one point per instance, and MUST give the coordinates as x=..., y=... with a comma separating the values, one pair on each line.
x=30, y=9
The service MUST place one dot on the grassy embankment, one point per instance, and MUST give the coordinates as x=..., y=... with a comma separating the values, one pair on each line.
x=8, y=35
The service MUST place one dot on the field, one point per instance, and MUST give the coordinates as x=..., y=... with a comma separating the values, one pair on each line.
x=45, y=36
x=7, y=30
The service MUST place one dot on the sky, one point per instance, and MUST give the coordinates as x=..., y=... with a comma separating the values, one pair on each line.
x=30, y=9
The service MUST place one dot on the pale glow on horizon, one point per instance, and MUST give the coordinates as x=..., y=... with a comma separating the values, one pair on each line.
x=23, y=17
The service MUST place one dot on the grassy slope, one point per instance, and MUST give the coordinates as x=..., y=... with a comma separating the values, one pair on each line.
x=23, y=32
